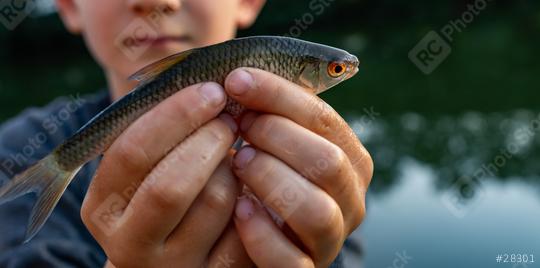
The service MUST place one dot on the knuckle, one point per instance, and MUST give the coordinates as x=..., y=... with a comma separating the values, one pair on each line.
x=264, y=168
x=85, y=214
x=357, y=217
x=304, y=262
x=185, y=101
x=218, y=198
x=117, y=255
x=188, y=108
x=327, y=221
x=367, y=166
x=165, y=196
x=364, y=166
x=264, y=126
x=336, y=162
x=188, y=115
x=255, y=241
x=85, y=217
x=130, y=154
x=176, y=107
x=90, y=226
x=323, y=117
x=218, y=134
x=119, y=258
x=271, y=87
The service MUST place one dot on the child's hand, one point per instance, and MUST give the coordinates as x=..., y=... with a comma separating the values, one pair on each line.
x=306, y=164
x=179, y=212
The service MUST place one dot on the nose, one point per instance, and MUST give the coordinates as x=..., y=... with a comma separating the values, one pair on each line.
x=143, y=7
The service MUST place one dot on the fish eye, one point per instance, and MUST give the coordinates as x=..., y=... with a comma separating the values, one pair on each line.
x=336, y=69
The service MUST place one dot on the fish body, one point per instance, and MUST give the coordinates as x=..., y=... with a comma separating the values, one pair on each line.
x=314, y=66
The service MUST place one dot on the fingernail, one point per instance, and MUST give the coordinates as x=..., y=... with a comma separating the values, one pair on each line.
x=247, y=121
x=243, y=157
x=244, y=208
x=240, y=82
x=212, y=93
x=229, y=120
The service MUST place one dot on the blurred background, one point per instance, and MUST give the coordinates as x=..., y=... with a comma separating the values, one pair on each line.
x=454, y=136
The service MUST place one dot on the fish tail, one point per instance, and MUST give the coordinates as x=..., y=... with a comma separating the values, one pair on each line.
x=48, y=181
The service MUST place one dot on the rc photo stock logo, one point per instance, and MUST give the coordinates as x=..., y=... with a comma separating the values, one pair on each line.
x=463, y=196
x=435, y=46
x=108, y=216
x=135, y=39
x=13, y=12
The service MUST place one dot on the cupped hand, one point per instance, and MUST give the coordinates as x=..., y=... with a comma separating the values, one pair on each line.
x=304, y=163
x=164, y=193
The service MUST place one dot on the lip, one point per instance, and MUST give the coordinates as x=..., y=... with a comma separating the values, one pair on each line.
x=160, y=40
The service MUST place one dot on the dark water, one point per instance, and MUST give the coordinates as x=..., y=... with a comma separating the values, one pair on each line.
x=450, y=191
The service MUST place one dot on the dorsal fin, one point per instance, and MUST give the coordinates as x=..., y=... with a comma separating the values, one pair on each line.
x=154, y=69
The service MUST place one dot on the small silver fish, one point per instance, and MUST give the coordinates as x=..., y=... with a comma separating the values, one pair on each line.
x=311, y=65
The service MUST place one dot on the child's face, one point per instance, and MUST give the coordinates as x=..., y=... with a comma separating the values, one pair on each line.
x=126, y=35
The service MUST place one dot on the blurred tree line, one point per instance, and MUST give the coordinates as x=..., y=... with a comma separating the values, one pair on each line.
x=493, y=65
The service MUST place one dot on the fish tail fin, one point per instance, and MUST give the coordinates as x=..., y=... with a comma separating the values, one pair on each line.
x=48, y=181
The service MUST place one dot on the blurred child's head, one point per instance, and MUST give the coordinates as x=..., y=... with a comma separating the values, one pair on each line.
x=126, y=35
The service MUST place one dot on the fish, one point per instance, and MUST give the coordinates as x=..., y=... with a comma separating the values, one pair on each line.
x=313, y=66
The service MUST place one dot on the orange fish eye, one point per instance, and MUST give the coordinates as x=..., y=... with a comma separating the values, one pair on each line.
x=336, y=69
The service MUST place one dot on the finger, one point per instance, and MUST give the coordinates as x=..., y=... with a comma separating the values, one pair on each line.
x=317, y=159
x=310, y=212
x=206, y=219
x=229, y=251
x=266, y=92
x=263, y=240
x=169, y=190
x=148, y=139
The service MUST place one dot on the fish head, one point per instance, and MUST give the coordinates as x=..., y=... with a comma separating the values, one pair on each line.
x=327, y=67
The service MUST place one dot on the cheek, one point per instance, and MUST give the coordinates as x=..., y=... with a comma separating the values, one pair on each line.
x=102, y=26
x=215, y=20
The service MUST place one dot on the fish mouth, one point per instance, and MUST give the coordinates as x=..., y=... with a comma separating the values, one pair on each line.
x=355, y=70
x=158, y=40
x=353, y=67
